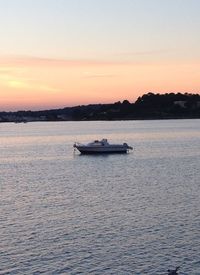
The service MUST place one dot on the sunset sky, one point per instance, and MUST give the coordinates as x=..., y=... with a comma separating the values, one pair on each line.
x=56, y=53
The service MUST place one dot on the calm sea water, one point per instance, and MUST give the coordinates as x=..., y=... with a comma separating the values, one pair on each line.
x=63, y=213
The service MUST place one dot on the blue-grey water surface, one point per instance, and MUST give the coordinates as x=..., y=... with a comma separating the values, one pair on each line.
x=64, y=213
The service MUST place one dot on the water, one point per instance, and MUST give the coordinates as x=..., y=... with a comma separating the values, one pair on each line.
x=62, y=213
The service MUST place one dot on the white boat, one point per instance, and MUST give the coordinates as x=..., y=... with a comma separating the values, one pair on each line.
x=102, y=146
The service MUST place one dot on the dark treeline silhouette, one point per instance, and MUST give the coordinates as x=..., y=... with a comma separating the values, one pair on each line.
x=148, y=106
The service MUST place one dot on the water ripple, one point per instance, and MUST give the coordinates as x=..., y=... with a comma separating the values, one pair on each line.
x=62, y=213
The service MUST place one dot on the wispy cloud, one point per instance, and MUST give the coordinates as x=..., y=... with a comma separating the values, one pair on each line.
x=11, y=70
x=25, y=85
x=25, y=61
x=151, y=52
x=15, y=77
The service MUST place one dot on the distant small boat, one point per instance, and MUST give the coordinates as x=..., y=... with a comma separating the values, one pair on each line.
x=102, y=146
x=173, y=272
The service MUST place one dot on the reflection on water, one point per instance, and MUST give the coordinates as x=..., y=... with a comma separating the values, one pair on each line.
x=64, y=213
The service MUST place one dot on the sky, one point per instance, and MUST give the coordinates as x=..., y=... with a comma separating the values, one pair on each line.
x=57, y=53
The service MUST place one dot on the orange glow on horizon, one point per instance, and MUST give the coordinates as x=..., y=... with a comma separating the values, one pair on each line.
x=39, y=83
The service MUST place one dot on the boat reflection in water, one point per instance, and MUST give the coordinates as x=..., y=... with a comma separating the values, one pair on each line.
x=102, y=147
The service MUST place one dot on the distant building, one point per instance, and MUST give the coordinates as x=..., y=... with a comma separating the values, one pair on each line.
x=180, y=103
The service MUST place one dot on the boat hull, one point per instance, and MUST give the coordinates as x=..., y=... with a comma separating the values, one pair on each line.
x=101, y=150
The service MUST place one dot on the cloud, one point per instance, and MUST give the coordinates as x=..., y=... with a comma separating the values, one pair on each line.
x=24, y=85
x=10, y=79
x=26, y=61
x=11, y=70
x=152, y=52
x=15, y=73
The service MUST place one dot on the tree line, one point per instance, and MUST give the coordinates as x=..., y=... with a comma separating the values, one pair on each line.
x=147, y=106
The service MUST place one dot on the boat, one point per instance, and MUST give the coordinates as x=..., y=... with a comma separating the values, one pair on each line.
x=102, y=146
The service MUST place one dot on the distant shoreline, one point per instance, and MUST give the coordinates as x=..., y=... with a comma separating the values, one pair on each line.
x=147, y=107
x=138, y=119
